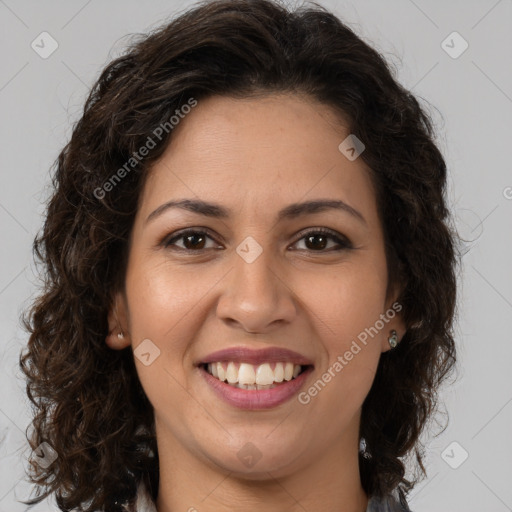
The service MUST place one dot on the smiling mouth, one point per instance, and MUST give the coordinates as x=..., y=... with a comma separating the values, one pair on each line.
x=254, y=377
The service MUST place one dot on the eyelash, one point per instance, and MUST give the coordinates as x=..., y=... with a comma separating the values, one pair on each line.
x=343, y=242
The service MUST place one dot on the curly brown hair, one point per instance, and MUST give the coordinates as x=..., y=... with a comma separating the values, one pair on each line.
x=87, y=399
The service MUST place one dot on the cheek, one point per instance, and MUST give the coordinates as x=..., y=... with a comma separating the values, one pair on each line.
x=160, y=299
x=346, y=300
x=346, y=307
x=163, y=308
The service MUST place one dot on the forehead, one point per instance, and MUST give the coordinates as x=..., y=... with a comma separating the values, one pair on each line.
x=258, y=154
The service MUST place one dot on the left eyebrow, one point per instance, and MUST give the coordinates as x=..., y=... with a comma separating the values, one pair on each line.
x=291, y=211
x=295, y=210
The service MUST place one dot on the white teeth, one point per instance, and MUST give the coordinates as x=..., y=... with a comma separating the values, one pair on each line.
x=248, y=376
x=288, y=371
x=232, y=373
x=221, y=373
x=264, y=375
x=279, y=372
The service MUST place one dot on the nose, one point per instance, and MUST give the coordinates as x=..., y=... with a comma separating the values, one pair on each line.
x=256, y=296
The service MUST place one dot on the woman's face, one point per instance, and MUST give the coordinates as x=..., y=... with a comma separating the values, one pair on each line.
x=253, y=278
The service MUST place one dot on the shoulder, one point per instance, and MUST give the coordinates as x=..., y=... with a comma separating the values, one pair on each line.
x=394, y=502
x=143, y=501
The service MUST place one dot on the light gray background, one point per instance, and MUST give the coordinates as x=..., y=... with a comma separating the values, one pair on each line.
x=41, y=98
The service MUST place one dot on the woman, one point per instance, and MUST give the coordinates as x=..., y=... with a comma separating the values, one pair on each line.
x=250, y=285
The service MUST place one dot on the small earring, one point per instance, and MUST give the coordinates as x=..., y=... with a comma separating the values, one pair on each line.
x=363, y=450
x=120, y=335
x=393, y=339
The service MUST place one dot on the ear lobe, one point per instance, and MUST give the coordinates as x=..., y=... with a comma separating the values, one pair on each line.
x=118, y=337
x=395, y=324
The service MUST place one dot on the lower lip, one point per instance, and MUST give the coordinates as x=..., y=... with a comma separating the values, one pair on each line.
x=256, y=398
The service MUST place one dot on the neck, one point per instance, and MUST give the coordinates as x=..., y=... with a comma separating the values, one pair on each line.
x=331, y=483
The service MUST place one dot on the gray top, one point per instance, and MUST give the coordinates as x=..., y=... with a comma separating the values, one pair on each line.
x=395, y=502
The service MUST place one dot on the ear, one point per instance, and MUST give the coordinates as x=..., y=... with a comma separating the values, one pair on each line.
x=118, y=336
x=395, y=321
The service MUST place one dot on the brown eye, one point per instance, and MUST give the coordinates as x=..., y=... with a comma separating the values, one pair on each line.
x=318, y=240
x=194, y=241
x=191, y=241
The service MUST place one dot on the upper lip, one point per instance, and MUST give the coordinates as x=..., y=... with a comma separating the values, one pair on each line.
x=251, y=356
